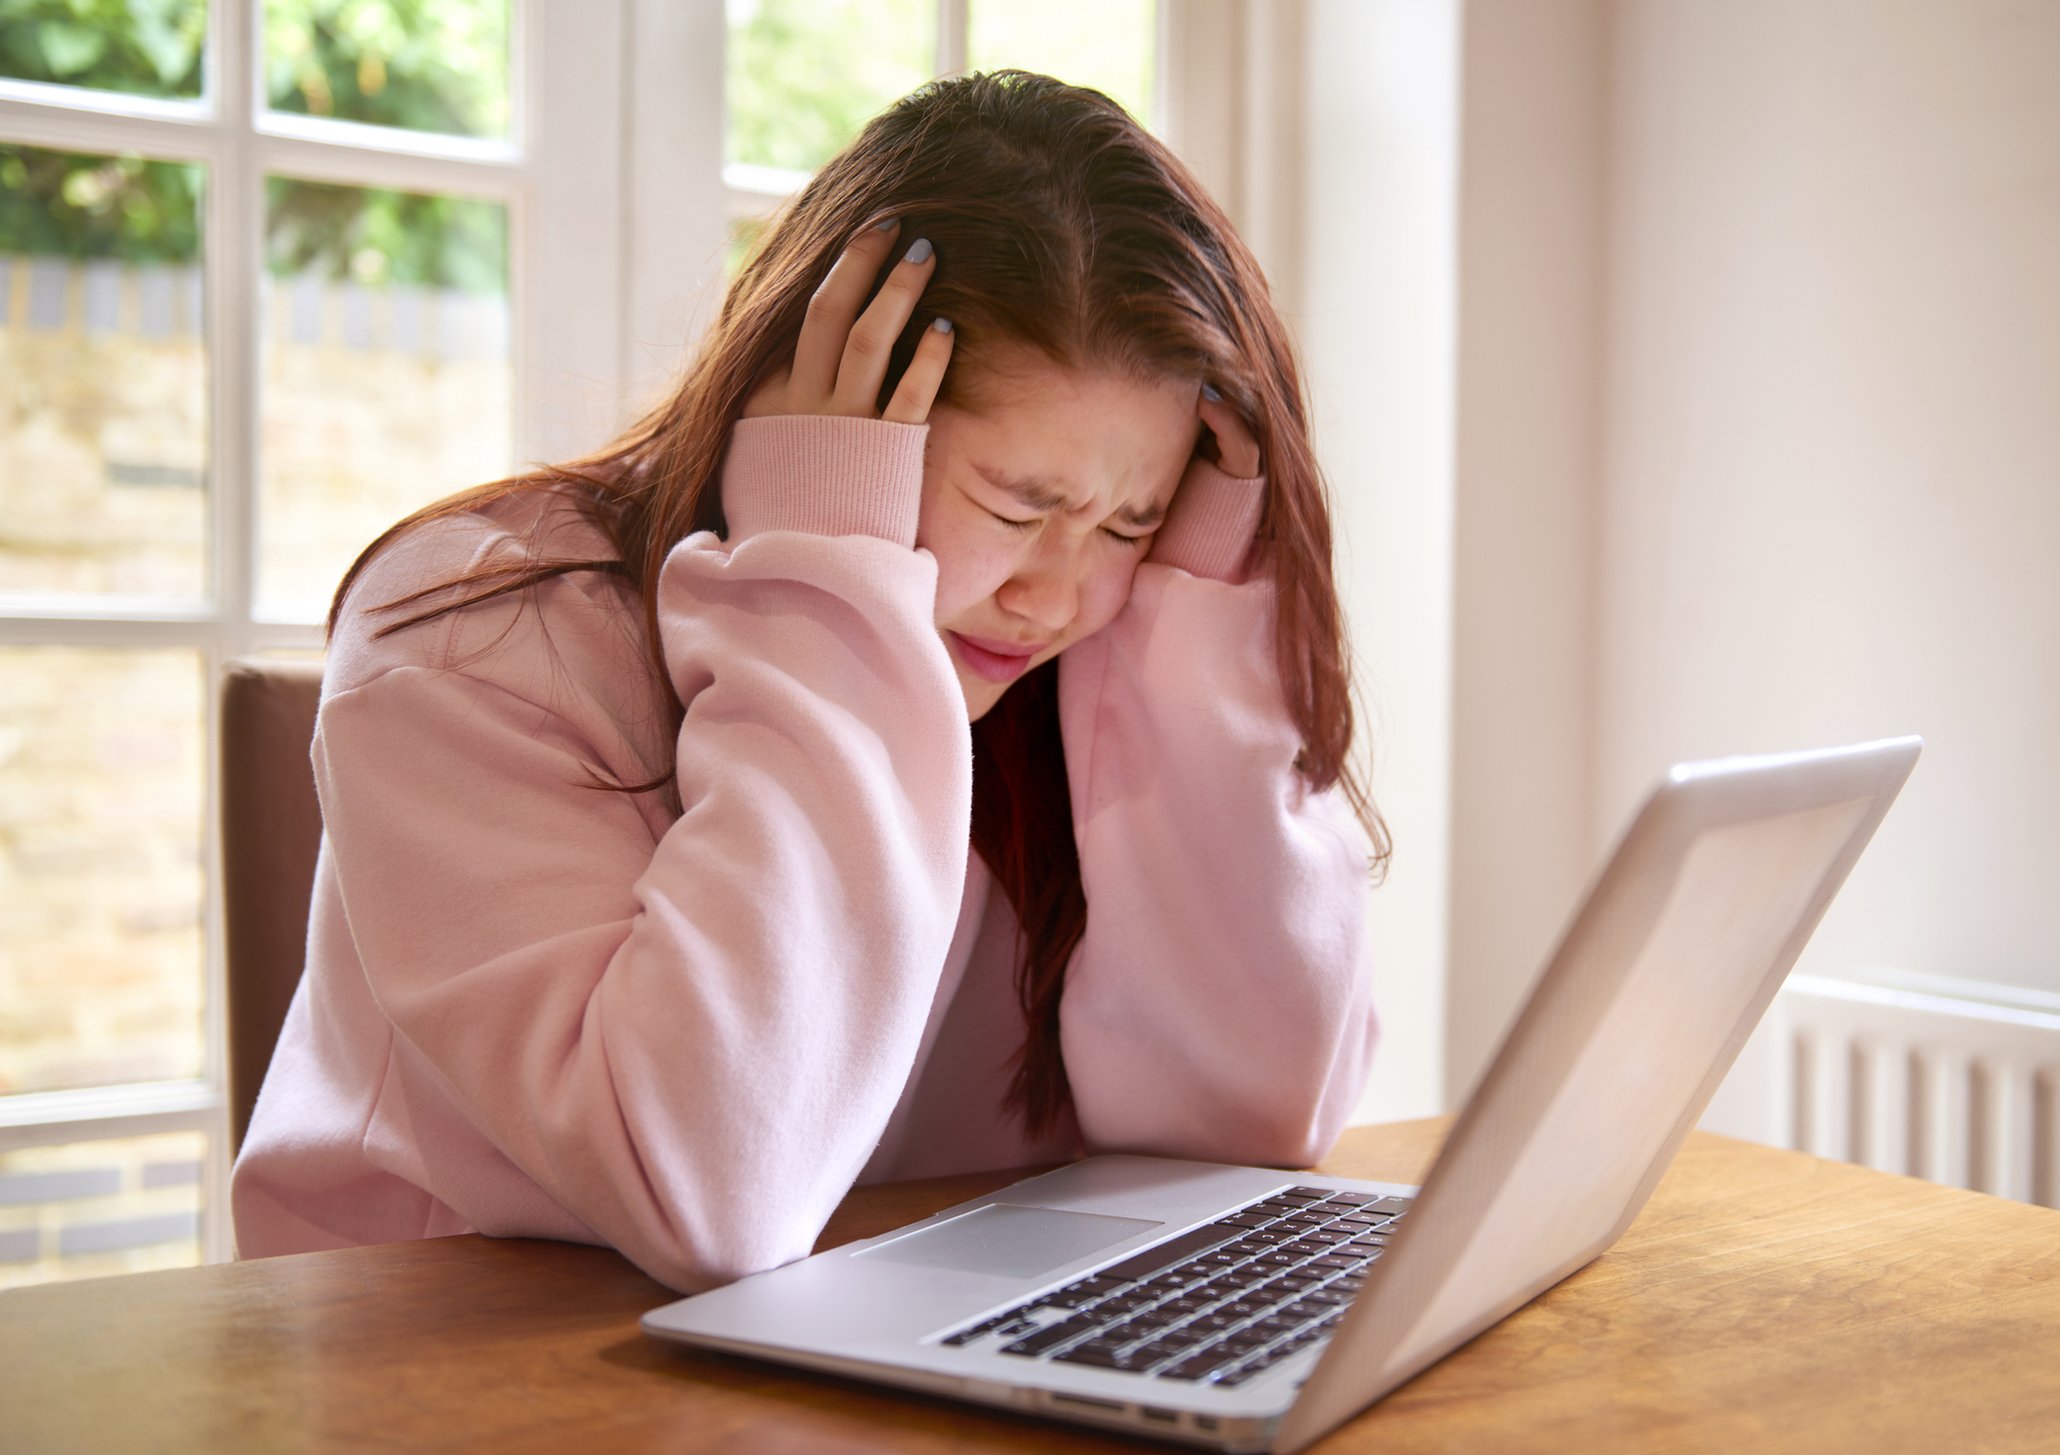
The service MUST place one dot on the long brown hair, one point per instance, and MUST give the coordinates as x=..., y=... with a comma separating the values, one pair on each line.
x=1059, y=224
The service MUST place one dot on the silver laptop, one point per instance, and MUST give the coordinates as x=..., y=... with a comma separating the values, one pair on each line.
x=1251, y=1309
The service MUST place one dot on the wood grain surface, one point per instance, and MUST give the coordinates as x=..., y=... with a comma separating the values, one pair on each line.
x=1765, y=1300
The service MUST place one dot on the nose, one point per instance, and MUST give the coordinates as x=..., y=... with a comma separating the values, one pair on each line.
x=1045, y=589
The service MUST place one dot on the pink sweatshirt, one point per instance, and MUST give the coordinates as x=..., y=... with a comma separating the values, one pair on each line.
x=535, y=1008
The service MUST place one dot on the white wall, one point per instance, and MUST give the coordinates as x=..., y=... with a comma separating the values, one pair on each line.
x=1374, y=298
x=1530, y=304
x=1831, y=451
x=1758, y=447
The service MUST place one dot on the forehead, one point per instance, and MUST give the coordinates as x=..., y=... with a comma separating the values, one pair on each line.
x=1025, y=415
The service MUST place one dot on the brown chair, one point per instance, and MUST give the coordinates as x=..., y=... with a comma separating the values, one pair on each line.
x=271, y=832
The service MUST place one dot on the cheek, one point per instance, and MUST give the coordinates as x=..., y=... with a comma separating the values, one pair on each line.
x=1104, y=593
x=971, y=566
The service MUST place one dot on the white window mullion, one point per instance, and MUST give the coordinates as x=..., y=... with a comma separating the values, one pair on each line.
x=193, y=630
x=353, y=158
x=1160, y=118
x=953, y=23
x=327, y=132
x=567, y=267
x=753, y=190
x=71, y=119
x=232, y=251
x=52, y=1118
x=675, y=204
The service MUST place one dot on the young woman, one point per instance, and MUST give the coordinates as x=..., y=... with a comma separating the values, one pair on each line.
x=920, y=745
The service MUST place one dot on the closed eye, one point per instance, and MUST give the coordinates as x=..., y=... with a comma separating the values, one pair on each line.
x=1033, y=522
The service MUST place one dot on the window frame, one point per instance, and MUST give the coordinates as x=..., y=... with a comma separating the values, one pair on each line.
x=559, y=174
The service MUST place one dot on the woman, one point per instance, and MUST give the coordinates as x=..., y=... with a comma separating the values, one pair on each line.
x=920, y=745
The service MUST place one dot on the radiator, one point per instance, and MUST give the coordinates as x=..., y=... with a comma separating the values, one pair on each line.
x=1943, y=1079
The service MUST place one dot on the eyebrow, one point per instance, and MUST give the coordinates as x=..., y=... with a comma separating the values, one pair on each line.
x=1037, y=493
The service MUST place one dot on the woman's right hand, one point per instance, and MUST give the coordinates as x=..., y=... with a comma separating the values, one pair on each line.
x=841, y=359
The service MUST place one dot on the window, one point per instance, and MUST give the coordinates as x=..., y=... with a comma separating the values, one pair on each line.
x=272, y=273
x=802, y=76
x=268, y=280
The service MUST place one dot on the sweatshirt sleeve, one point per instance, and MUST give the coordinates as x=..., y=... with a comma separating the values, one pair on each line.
x=691, y=1049
x=1219, y=1005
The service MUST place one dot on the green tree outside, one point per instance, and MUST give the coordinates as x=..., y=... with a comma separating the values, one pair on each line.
x=421, y=65
x=141, y=47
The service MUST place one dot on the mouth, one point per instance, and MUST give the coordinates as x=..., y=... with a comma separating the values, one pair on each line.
x=995, y=661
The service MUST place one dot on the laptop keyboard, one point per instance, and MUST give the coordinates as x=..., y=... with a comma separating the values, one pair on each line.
x=1215, y=1304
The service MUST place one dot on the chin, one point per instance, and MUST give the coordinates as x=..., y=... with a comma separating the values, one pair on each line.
x=981, y=698
x=979, y=707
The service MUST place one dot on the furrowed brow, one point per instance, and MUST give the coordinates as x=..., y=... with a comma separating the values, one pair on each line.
x=1037, y=493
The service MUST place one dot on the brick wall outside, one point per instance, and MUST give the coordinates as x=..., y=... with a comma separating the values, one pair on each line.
x=94, y=1208
x=103, y=429
x=100, y=874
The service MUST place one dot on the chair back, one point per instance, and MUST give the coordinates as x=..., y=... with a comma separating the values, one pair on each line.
x=271, y=832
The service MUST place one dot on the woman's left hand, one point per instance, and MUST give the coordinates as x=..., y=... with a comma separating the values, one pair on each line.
x=1229, y=444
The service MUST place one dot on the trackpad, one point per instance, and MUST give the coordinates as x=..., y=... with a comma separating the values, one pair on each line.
x=1004, y=1238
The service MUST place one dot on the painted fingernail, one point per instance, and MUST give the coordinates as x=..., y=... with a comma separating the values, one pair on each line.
x=920, y=253
x=940, y=324
x=885, y=224
x=1209, y=393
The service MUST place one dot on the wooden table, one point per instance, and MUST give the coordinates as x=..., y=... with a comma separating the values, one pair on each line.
x=1765, y=1301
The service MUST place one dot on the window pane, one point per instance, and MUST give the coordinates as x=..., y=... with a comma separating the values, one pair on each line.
x=805, y=75
x=90, y=1208
x=100, y=878
x=143, y=47
x=386, y=376
x=423, y=65
x=103, y=376
x=1106, y=44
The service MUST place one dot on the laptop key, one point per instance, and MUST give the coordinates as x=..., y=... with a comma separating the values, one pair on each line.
x=1147, y=1324
x=1071, y=1297
x=1123, y=1303
x=966, y=1336
x=1100, y=1357
x=1050, y=1336
x=1201, y=1364
x=1159, y=1351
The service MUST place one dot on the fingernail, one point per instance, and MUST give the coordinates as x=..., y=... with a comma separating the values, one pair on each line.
x=1209, y=393
x=920, y=253
x=885, y=224
x=941, y=324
